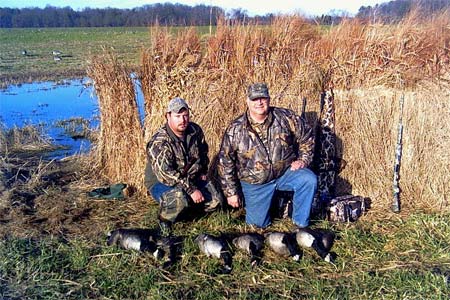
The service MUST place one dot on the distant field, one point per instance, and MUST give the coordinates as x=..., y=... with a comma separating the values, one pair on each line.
x=75, y=44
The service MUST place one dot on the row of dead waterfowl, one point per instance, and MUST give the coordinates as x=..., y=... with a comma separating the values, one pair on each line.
x=287, y=244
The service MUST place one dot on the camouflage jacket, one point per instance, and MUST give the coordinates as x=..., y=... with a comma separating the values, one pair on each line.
x=175, y=163
x=245, y=156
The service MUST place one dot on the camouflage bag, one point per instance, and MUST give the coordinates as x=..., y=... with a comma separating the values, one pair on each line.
x=346, y=208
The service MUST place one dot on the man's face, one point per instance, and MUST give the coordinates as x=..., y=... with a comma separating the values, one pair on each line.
x=178, y=122
x=258, y=106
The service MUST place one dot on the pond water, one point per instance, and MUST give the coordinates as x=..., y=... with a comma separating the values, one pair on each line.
x=50, y=104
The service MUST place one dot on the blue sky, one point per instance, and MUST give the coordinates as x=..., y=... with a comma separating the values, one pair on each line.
x=259, y=7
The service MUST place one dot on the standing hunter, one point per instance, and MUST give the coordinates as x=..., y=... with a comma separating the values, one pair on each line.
x=267, y=149
x=177, y=166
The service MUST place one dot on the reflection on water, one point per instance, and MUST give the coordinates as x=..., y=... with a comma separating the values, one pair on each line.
x=49, y=103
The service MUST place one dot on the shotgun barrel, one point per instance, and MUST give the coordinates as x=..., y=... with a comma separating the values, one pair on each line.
x=398, y=157
x=303, y=107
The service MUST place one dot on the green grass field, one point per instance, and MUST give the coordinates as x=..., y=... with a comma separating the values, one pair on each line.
x=394, y=260
x=77, y=45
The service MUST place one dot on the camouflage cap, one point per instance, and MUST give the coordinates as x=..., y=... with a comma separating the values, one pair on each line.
x=258, y=90
x=176, y=104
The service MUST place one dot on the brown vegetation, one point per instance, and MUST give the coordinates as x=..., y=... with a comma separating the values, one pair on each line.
x=120, y=150
x=369, y=66
x=26, y=138
x=49, y=198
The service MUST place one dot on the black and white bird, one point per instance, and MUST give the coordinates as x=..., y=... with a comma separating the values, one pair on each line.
x=169, y=246
x=215, y=247
x=252, y=243
x=56, y=53
x=284, y=244
x=320, y=241
x=327, y=237
x=135, y=239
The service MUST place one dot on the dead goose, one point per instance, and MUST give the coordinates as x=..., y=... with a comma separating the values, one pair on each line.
x=284, y=244
x=327, y=238
x=320, y=241
x=216, y=247
x=252, y=243
x=169, y=247
x=134, y=239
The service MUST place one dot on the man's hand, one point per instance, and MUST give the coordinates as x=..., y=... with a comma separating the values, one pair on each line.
x=297, y=164
x=197, y=196
x=234, y=201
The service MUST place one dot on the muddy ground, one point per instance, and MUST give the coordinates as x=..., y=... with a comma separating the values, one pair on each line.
x=41, y=197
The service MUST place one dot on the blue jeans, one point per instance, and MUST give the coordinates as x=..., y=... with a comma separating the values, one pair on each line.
x=258, y=197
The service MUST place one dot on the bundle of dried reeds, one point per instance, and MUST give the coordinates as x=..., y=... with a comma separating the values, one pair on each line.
x=167, y=69
x=375, y=54
x=119, y=152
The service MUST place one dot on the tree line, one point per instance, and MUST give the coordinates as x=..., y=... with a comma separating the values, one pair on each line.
x=395, y=10
x=166, y=14
x=183, y=15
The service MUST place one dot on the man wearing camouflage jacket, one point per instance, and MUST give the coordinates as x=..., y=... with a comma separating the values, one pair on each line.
x=263, y=150
x=177, y=164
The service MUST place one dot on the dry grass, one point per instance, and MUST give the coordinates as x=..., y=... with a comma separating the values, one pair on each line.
x=120, y=150
x=369, y=65
x=27, y=138
x=366, y=124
